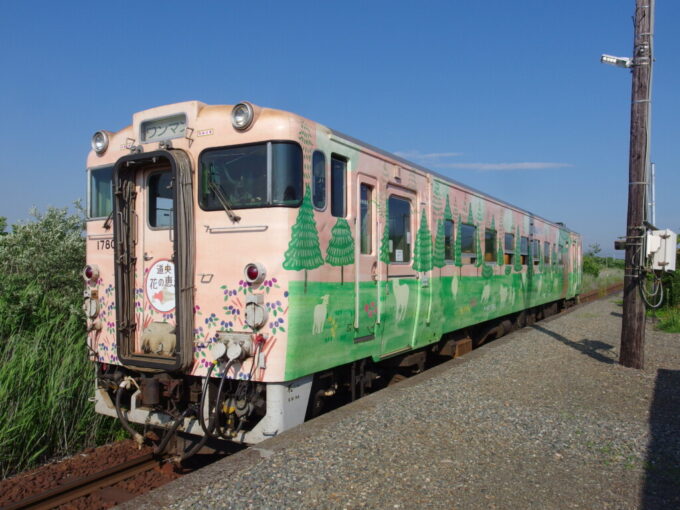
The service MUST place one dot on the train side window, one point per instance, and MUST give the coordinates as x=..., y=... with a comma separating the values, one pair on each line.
x=490, y=245
x=338, y=177
x=546, y=253
x=161, y=201
x=319, y=180
x=524, y=250
x=536, y=251
x=366, y=221
x=509, y=249
x=399, y=229
x=467, y=243
x=101, y=196
x=448, y=241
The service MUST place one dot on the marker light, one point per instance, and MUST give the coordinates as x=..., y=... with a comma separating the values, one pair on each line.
x=242, y=116
x=100, y=142
x=254, y=273
x=91, y=273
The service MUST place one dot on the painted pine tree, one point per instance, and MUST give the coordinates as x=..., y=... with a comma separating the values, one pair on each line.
x=500, y=259
x=422, y=256
x=517, y=256
x=438, y=259
x=341, y=247
x=385, y=241
x=304, y=252
x=478, y=249
x=457, y=249
x=447, y=210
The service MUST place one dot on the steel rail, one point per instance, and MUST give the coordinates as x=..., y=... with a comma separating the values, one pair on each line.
x=85, y=485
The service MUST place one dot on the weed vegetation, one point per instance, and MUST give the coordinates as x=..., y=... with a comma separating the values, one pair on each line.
x=668, y=316
x=46, y=377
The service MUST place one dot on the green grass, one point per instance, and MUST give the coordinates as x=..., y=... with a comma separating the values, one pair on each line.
x=45, y=382
x=606, y=277
x=668, y=319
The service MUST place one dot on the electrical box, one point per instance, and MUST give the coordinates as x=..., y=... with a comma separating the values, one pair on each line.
x=662, y=248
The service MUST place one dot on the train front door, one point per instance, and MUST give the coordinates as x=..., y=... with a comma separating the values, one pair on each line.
x=366, y=260
x=155, y=283
x=154, y=245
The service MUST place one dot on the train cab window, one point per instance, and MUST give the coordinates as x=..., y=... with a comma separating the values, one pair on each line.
x=448, y=241
x=161, y=201
x=524, y=250
x=468, y=233
x=509, y=249
x=399, y=228
x=338, y=177
x=536, y=251
x=366, y=222
x=546, y=253
x=247, y=176
x=490, y=245
x=285, y=173
x=319, y=180
x=100, y=199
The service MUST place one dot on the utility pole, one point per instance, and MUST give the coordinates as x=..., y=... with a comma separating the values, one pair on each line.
x=633, y=324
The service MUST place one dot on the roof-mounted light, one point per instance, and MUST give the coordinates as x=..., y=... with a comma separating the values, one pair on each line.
x=100, y=142
x=242, y=116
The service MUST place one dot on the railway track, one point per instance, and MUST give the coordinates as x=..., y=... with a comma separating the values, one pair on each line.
x=90, y=484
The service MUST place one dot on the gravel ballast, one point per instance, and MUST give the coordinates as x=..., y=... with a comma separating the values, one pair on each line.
x=543, y=418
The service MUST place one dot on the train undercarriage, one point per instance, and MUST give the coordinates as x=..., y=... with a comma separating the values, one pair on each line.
x=184, y=415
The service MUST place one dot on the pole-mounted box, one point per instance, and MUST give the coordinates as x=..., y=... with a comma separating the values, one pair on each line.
x=661, y=248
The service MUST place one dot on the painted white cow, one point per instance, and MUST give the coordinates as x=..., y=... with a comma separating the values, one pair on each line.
x=401, y=298
x=320, y=312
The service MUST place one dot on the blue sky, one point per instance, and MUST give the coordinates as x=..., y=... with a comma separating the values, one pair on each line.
x=508, y=97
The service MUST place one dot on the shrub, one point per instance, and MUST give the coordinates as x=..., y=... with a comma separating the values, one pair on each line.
x=45, y=374
x=591, y=266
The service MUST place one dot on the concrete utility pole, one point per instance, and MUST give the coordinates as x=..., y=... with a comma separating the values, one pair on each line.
x=633, y=326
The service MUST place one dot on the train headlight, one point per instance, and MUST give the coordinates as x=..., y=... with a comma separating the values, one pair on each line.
x=100, y=142
x=254, y=273
x=91, y=273
x=242, y=116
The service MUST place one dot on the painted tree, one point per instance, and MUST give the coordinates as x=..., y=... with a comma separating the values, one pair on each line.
x=518, y=256
x=341, y=247
x=478, y=249
x=304, y=252
x=384, y=255
x=457, y=249
x=422, y=256
x=500, y=259
x=447, y=210
x=438, y=259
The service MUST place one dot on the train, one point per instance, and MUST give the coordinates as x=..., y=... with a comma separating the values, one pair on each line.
x=246, y=265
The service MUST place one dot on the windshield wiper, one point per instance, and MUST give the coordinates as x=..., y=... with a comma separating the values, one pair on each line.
x=219, y=194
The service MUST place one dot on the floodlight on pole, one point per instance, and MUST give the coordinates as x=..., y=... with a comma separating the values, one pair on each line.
x=624, y=62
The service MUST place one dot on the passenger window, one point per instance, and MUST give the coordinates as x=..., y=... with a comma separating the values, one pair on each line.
x=448, y=240
x=338, y=176
x=160, y=200
x=509, y=251
x=366, y=224
x=319, y=180
x=536, y=251
x=524, y=250
x=546, y=253
x=399, y=229
x=489, y=245
x=101, y=203
x=467, y=243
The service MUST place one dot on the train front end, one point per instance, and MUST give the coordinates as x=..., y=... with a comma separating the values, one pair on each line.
x=189, y=212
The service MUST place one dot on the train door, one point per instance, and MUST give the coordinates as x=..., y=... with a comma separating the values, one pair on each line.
x=155, y=250
x=154, y=260
x=400, y=281
x=366, y=260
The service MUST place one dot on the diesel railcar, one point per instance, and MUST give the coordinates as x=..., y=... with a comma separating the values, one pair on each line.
x=244, y=264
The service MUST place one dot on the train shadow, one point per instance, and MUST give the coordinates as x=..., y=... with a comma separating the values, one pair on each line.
x=591, y=348
x=662, y=467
